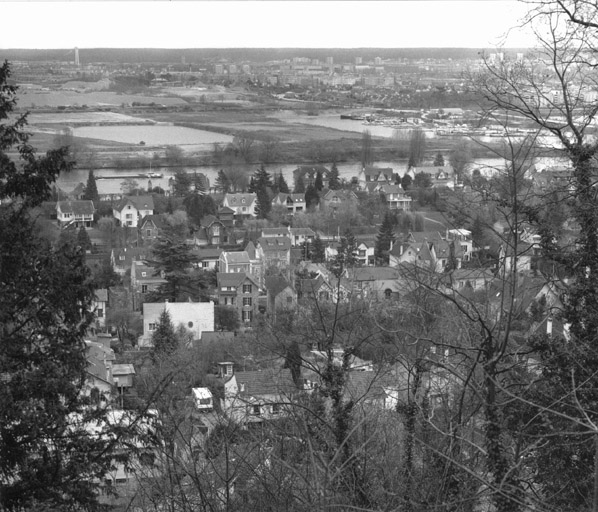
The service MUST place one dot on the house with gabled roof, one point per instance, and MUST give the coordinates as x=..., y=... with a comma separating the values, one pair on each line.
x=374, y=283
x=144, y=280
x=122, y=257
x=234, y=261
x=395, y=197
x=226, y=215
x=77, y=213
x=280, y=294
x=256, y=396
x=150, y=226
x=294, y=203
x=309, y=173
x=207, y=258
x=335, y=199
x=440, y=176
x=371, y=174
x=239, y=290
x=274, y=251
x=211, y=231
x=244, y=205
x=131, y=209
x=418, y=253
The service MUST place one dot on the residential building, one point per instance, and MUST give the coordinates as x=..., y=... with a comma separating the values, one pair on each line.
x=462, y=237
x=234, y=261
x=122, y=258
x=195, y=317
x=98, y=379
x=131, y=209
x=149, y=228
x=366, y=253
x=374, y=283
x=257, y=396
x=395, y=197
x=440, y=176
x=203, y=399
x=226, y=216
x=274, y=251
x=335, y=199
x=207, y=257
x=77, y=213
x=294, y=203
x=211, y=232
x=243, y=205
x=241, y=291
x=468, y=279
x=98, y=306
x=309, y=174
x=298, y=236
x=379, y=175
x=144, y=280
x=280, y=295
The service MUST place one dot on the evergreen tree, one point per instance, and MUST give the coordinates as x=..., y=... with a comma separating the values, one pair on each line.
x=282, y=184
x=222, y=182
x=318, y=250
x=334, y=182
x=263, y=204
x=422, y=180
x=252, y=187
x=406, y=181
x=83, y=239
x=91, y=190
x=48, y=458
x=262, y=178
x=173, y=259
x=439, y=160
x=198, y=206
x=346, y=256
x=319, y=184
x=182, y=183
x=312, y=198
x=299, y=185
x=386, y=237
x=164, y=339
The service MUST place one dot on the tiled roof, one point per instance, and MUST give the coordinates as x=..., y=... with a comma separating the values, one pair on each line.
x=265, y=382
x=267, y=232
x=240, y=199
x=373, y=273
x=76, y=207
x=275, y=243
x=156, y=220
x=276, y=284
x=139, y=202
x=233, y=279
x=208, y=220
x=123, y=369
x=236, y=257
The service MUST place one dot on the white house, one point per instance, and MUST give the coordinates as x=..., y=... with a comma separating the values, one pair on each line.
x=79, y=213
x=242, y=204
x=203, y=399
x=195, y=317
x=131, y=209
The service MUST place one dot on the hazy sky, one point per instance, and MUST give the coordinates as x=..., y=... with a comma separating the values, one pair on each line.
x=273, y=23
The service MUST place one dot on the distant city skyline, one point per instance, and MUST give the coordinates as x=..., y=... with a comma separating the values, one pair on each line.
x=264, y=24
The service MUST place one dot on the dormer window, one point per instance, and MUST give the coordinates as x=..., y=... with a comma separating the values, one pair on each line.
x=143, y=274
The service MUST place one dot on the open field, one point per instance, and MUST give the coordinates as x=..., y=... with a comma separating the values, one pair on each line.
x=27, y=99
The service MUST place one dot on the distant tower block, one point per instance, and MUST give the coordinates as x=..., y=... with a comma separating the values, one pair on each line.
x=76, y=56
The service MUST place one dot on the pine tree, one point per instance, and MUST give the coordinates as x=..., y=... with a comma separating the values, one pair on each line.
x=282, y=184
x=334, y=182
x=91, y=190
x=83, y=239
x=262, y=178
x=346, y=256
x=222, y=182
x=312, y=198
x=164, y=339
x=406, y=181
x=439, y=160
x=299, y=185
x=318, y=250
x=264, y=203
x=386, y=237
x=319, y=184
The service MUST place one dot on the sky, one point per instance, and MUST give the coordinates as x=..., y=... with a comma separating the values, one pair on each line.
x=262, y=24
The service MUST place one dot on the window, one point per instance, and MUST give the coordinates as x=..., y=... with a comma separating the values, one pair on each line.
x=148, y=232
x=247, y=301
x=144, y=288
x=129, y=216
x=246, y=288
x=216, y=230
x=247, y=315
x=143, y=274
x=205, y=264
x=289, y=299
x=226, y=301
x=275, y=408
x=100, y=313
x=128, y=207
x=244, y=209
x=387, y=293
x=121, y=257
x=152, y=327
x=256, y=410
